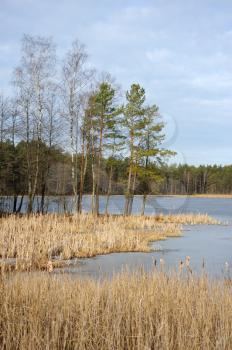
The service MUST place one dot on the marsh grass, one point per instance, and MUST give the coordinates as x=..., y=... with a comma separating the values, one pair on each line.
x=37, y=240
x=188, y=219
x=132, y=311
x=204, y=195
x=212, y=196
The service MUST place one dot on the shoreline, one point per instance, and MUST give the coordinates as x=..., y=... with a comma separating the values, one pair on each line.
x=42, y=241
x=219, y=195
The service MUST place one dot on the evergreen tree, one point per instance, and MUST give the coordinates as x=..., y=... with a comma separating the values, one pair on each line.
x=134, y=122
x=103, y=112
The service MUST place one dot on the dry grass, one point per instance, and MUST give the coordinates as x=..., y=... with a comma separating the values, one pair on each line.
x=132, y=311
x=35, y=240
x=206, y=195
x=212, y=195
x=188, y=219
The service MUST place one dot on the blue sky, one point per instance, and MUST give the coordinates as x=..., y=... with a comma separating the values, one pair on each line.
x=179, y=50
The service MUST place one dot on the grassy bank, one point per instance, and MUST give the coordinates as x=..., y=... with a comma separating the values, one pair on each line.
x=187, y=219
x=132, y=311
x=36, y=240
x=219, y=195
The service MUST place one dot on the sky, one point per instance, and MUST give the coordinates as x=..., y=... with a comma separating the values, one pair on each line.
x=180, y=51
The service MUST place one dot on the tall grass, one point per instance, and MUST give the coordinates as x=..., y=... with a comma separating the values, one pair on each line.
x=203, y=195
x=36, y=240
x=188, y=219
x=132, y=311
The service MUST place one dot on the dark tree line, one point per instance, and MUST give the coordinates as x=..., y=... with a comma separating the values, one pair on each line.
x=203, y=179
x=164, y=179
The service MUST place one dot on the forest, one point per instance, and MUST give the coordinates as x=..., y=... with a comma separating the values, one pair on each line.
x=65, y=129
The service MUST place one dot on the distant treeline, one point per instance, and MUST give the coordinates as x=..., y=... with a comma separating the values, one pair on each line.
x=169, y=179
x=189, y=179
x=66, y=130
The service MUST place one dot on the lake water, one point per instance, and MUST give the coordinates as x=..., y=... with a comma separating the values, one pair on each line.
x=211, y=243
x=220, y=208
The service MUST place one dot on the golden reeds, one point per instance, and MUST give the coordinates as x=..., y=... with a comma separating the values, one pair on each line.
x=204, y=195
x=35, y=240
x=188, y=219
x=132, y=311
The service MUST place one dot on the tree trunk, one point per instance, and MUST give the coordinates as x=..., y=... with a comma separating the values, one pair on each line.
x=132, y=195
x=33, y=189
x=109, y=190
x=15, y=203
x=20, y=205
x=99, y=169
x=144, y=204
x=93, y=189
x=128, y=195
x=42, y=202
x=29, y=183
x=84, y=162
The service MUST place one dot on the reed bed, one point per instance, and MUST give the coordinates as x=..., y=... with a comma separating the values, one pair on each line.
x=38, y=240
x=35, y=240
x=206, y=195
x=212, y=195
x=133, y=311
x=188, y=219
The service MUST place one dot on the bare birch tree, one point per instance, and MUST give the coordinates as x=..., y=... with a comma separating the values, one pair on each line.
x=4, y=116
x=32, y=79
x=75, y=78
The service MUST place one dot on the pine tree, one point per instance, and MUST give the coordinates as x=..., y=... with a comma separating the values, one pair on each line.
x=102, y=114
x=134, y=119
x=151, y=152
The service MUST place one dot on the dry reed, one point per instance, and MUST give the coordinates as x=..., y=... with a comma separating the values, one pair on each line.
x=188, y=219
x=206, y=195
x=133, y=311
x=36, y=240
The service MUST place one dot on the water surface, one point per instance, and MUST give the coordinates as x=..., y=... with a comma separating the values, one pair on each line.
x=213, y=244
x=209, y=244
x=205, y=244
x=218, y=207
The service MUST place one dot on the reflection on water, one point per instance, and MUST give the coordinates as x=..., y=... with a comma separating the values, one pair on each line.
x=221, y=208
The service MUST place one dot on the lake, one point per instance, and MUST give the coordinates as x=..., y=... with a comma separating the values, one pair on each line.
x=220, y=208
x=213, y=244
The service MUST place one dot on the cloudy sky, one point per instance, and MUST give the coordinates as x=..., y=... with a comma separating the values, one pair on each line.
x=179, y=50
